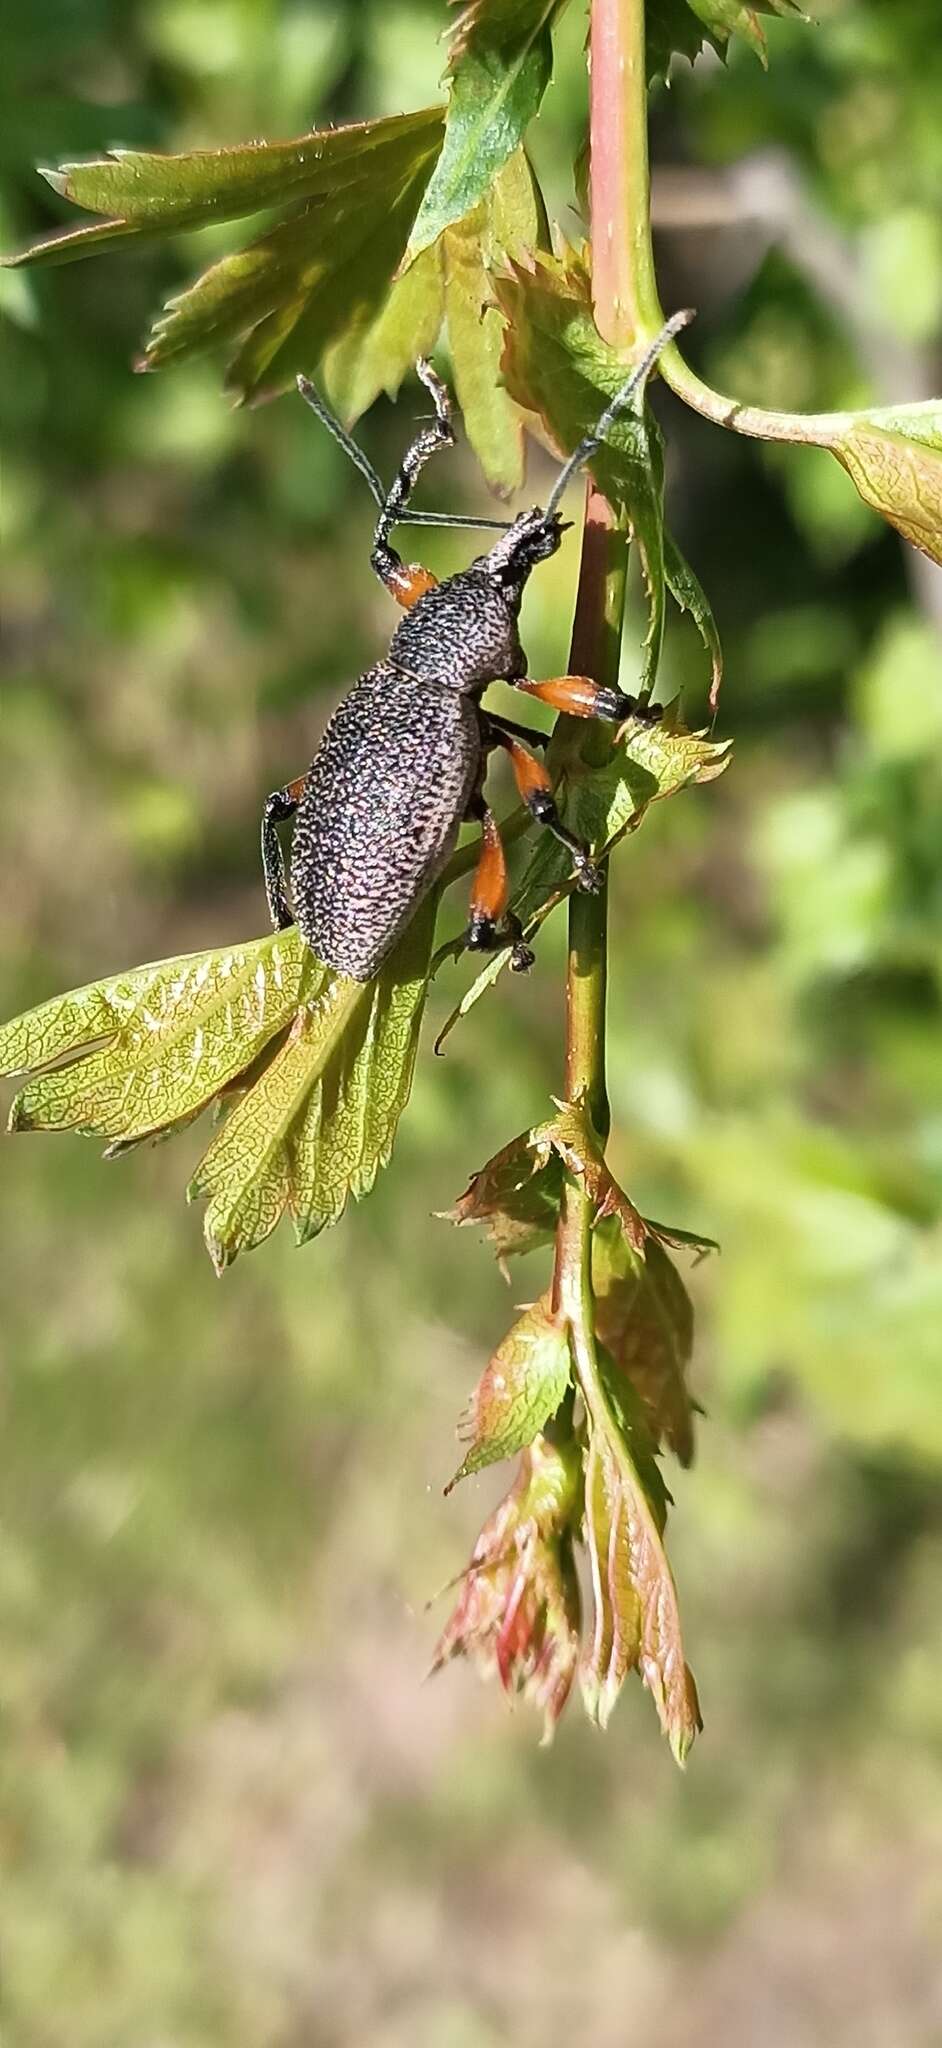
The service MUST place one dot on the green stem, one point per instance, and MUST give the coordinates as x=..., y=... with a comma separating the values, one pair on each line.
x=626, y=310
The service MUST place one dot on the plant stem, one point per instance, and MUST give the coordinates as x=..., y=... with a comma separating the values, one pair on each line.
x=821, y=429
x=626, y=310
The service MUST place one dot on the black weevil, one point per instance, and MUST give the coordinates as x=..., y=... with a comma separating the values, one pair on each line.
x=402, y=762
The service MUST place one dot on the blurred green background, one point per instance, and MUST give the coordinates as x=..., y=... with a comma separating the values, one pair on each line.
x=232, y=1812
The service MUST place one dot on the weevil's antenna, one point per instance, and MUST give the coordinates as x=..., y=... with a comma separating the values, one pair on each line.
x=361, y=461
x=621, y=399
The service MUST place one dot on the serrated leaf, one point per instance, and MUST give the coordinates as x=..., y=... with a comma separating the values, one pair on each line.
x=725, y=18
x=645, y=1321
x=601, y=804
x=146, y=193
x=895, y=460
x=507, y=222
x=377, y=350
x=688, y=592
x=520, y=1389
x=178, y=1032
x=516, y=1197
x=670, y=29
x=501, y=65
x=636, y=1624
x=245, y=1174
x=346, y=1133
x=556, y=365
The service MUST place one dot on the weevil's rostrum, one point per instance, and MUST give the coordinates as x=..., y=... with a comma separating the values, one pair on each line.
x=402, y=762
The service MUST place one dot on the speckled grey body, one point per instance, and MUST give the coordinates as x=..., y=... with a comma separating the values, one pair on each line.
x=395, y=773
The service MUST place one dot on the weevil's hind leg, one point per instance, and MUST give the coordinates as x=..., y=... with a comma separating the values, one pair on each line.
x=536, y=791
x=580, y=697
x=409, y=581
x=497, y=729
x=280, y=805
x=490, y=924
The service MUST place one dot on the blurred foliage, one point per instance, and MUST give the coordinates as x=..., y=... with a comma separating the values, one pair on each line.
x=231, y=1812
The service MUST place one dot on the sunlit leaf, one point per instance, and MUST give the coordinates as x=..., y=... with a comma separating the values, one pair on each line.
x=177, y=1033
x=145, y=193
x=501, y=63
x=645, y=1321
x=520, y=1388
x=636, y=1621
x=506, y=223
x=346, y=1133
x=895, y=459
x=688, y=592
x=378, y=349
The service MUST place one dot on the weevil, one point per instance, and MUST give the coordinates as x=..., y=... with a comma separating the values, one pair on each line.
x=402, y=762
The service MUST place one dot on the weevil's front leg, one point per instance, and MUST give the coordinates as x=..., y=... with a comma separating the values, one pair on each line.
x=496, y=729
x=536, y=791
x=409, y=581
x=490, y=924
x=580, y=697
x=280, y=805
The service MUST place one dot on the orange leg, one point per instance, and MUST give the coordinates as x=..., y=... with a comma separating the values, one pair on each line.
x=490, y=924
x=408, y=582
x=536, y=791
x=580, y=697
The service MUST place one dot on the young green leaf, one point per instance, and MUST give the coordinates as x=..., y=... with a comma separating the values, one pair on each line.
x=516, y=1196
x=346, y=1132
x=508, y=222
x=636, y=1624
x=519, y=1390
x=501, y=63
x=144, y=193
x=176, y=1034
x=246, y=1172
x=645, y=1321
x=378, y=349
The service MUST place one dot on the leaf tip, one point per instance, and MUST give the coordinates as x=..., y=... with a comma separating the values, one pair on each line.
x=58, y=179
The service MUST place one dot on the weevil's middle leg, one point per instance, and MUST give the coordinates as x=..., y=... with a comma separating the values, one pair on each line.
x=536, y=791
x=281, y=804
x=490, y=924
x=409, y=582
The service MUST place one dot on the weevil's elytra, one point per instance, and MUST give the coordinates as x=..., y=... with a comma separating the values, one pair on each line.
x=402, y=762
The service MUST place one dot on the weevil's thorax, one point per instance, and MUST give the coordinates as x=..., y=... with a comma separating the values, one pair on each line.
x=462, y=634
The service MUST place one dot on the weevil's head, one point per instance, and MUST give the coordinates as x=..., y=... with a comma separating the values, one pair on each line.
x=533, y=537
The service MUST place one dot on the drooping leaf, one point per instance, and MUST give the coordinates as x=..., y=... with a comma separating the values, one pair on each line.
x=508, y=222
x=145, y=193
x=636, y=1623
x=176, y=1033
x=556, y=364
x=519, y=1390
x=601, y=804
x=501, y=63
x=346, y=1133
x=687, y=591
x=894, y=457
x=516, y=1197
x=645, y=1321
x=378, y=349
x=246, y=1172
